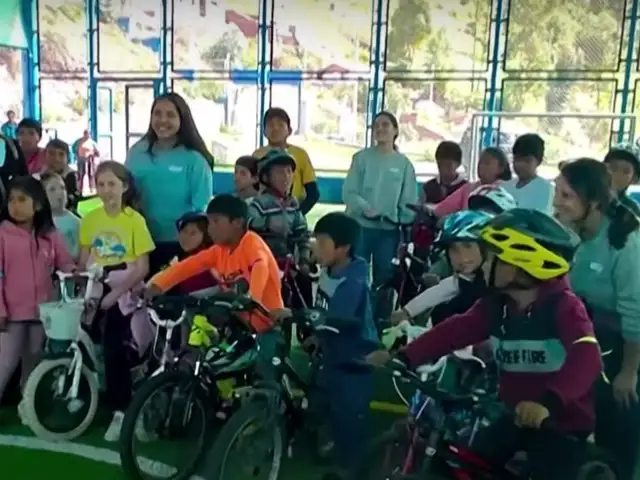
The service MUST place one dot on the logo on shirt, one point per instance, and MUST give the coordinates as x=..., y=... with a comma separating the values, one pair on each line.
x=109, y=246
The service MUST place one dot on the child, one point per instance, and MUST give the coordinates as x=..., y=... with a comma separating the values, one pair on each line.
x=543, y=343
x=31, y=250
x=245, y=177
x=277, y=129
x=529, y=189
x=56, y=159
x=29, y=136
x=67, y=223
x=276, y=216
x=448, y=159
x=194, y=238
x=116, y=237
x=623, y=163
x=237, y=255
x=343, y=295
x=458, y=239
x=491, y=199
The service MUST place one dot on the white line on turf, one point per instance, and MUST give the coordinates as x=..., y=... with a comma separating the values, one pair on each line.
x=96, y=454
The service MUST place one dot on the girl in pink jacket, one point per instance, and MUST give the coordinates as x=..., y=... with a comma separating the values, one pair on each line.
x=31, y=250
x=493, y=167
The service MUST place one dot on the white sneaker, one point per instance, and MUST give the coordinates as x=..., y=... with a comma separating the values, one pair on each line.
x=113, y=432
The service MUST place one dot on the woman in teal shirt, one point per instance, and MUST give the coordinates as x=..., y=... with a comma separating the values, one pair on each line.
x=173, y=171
x=606, y=275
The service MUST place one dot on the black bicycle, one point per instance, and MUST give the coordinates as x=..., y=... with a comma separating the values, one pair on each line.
x=263, y=432
x=189, y=401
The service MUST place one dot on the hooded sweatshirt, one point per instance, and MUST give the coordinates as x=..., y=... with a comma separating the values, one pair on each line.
x=453, y=295
x=27, y=264
x=343, y=294
x=382, y=183
x=547, y=354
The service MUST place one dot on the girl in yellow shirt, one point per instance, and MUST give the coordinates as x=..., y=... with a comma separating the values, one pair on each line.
x=116, y=237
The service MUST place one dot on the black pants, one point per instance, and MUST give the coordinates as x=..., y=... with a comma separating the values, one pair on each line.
x=118, y=358
x=550, y=455
x=162, y=255
x=617, y=429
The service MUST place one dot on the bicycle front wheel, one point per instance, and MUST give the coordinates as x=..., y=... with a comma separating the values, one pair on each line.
x=169, y=413
x=250, y=445
x=397, y=454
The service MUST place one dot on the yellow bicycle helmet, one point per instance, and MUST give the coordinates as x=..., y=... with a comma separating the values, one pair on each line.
x=532, y=241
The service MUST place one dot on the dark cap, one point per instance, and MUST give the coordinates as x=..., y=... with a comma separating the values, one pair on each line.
x=279, y=113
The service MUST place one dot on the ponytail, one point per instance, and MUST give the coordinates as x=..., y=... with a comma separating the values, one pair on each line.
x=623, y=223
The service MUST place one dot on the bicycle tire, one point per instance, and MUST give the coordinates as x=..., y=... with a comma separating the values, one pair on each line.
x=128, y=432
x=376, y=449
x=31, y=417
x=254, y=409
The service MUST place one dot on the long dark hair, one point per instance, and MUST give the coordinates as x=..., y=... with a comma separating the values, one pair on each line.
x=32, y=188
x=502, y=159
x=591, y=181
x=394, y=121
x=130, y=197
x=188, y=135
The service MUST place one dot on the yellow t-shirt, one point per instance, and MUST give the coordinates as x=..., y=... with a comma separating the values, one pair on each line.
x=304, y=170
x=115, y=240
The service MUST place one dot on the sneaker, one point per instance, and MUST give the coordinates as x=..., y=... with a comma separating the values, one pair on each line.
x=141, y=432
x=113, y=432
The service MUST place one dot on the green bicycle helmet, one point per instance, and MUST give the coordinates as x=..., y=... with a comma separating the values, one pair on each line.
x=275, y=156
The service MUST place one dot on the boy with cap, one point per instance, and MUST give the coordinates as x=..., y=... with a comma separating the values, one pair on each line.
x=277, y=128
x=528, y=189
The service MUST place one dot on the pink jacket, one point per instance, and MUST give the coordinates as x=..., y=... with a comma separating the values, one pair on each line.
x=27, y=266
x=458, y=200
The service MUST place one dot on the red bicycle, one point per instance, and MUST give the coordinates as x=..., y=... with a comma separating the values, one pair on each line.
x=429, y=442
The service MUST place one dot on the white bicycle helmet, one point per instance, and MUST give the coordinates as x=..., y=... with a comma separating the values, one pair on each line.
x=493, y=198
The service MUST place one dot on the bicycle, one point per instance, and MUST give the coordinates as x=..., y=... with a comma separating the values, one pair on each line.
x=422, y=440
x=200, y=380
x=273, y=406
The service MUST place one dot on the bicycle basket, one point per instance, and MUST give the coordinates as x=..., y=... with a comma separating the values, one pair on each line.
x=61, y=320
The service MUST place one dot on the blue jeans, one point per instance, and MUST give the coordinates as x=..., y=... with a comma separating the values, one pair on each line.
x=378, y=247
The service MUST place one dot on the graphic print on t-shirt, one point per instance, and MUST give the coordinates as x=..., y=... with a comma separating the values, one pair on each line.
x=108, y=246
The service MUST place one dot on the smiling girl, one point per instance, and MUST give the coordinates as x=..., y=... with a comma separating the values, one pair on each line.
x=172, y=169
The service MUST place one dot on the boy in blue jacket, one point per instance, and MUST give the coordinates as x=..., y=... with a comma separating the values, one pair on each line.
x=344, y=296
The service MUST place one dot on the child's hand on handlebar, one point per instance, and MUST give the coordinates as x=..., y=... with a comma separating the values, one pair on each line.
x=398, y=317
x=378, y=358
x=531, y=414
x=280, y=314
x=151, y=292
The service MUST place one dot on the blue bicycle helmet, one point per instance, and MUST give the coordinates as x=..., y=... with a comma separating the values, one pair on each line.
x=275, y=156
x=462, y=225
